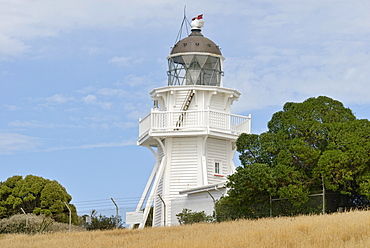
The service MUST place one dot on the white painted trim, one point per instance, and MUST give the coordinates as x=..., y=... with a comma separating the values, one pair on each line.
x=148, y=184
x=202, y=189
x=164, y=90
x=204, y=170
x=196, y=53
x=232, y=168
x=133, y=218
x=162, y=145
x=152, y=192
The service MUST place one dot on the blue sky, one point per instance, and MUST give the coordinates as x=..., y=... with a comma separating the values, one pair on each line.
x=75, y=78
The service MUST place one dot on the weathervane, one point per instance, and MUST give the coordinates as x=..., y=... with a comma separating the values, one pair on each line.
x=197, y=22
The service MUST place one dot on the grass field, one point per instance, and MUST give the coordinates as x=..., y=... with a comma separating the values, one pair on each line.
x=350, y=229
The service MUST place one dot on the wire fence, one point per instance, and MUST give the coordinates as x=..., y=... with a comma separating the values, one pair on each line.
x=272, y=207
x=106, y=206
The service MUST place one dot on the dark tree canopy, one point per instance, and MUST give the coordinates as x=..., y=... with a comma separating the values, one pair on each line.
x=35, y=195
x=310, y=145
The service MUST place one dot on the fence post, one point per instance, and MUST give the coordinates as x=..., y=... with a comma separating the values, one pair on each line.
x=164, y=210
x=116, y=212
x=323, y=194
x=26, y=217
x=70, y=216
x=270, y=205
x=214, y=205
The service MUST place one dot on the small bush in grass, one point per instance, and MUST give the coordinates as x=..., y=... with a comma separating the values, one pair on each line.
x=101, y=222
x=189, y=217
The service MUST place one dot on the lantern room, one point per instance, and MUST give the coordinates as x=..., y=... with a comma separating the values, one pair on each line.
x=195, y=60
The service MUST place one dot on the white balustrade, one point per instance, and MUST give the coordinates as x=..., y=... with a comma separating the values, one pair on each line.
x=167, y=121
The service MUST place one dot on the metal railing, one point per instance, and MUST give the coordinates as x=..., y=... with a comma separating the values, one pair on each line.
x=165, y=121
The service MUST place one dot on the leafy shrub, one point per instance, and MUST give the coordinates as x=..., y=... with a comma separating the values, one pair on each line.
x=189, y=217
x=100, y=222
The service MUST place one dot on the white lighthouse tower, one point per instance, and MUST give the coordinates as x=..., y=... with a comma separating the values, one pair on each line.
x=191, y=133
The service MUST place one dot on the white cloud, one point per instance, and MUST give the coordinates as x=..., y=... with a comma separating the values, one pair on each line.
x=278, y=76
x=11, y=143
x=21, y=21
x=124, y=61
x=87, y=90
x=135, y=81
x=125, y=125
x=10, y=47
x=59, y=99
x=111, y=92
x=97, y=145
x=93, y=100
x=120, y=61
x=38, y=124
x=18, y=123
x=89, y=99
x=50, y=102
x=11, y=107
x=136, y=114
x=303, y=49
x=102, y=118
x=14, y=142
x=108, y=92
x=105, y=105
x=94, y=50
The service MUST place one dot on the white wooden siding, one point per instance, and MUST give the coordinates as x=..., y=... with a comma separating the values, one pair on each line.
x=217, y=102
x=217, y=151
x=181, y=96
x=157, y=214
x=184, y=167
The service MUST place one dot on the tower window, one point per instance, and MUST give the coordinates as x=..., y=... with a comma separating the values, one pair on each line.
x=217, y=167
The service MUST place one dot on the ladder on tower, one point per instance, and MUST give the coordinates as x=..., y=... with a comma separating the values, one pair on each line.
x=185, y=107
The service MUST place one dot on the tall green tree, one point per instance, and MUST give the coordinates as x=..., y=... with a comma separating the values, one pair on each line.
x=35, y=195
x=310, y=145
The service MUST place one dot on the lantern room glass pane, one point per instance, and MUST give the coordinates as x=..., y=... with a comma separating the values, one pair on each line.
x=193, y=73
x=201, y=59
x=188, y=59
x=194, y=70
x=176, y=72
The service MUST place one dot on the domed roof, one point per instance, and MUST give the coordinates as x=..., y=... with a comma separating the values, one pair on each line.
x=196, y=42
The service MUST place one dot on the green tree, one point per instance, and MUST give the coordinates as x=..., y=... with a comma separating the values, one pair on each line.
x=35, y=195
x=308, y=145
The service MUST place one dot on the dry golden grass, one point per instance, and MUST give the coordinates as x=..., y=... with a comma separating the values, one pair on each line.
x=351, y=229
